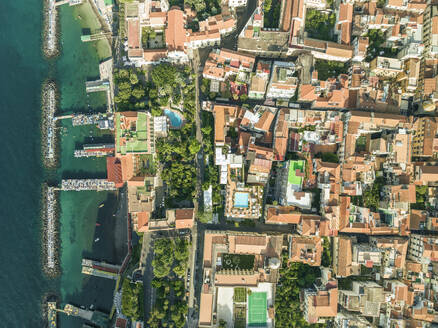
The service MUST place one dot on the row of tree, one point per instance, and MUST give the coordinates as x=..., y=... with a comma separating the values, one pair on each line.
x=132, y=299
x=169, y=264
x=293, y=278
x=130, y=89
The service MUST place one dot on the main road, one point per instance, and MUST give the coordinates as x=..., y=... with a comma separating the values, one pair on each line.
x=198, y=202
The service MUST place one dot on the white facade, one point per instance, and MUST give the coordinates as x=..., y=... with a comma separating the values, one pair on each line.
x=236, y=3
x=207, y=42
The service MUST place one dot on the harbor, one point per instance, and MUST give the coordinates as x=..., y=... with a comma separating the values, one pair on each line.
x=65, y=129
x=50, y=231
x=49, y=133
x=50, y=29
x=87, y=184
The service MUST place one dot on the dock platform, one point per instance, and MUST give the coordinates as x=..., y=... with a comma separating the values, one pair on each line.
x=87, y=184
x=100, y=269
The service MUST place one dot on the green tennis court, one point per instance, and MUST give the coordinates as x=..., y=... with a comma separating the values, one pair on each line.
x=257, y=306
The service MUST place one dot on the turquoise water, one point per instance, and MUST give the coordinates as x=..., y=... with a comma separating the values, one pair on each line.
x=78, y=63
x=23, y=69
x=21, y=174
x=175, y=119
x=241, y=199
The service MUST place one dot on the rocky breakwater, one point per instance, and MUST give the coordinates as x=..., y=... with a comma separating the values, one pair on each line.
x=49, y=133
x=50, y=30
x=50, y=231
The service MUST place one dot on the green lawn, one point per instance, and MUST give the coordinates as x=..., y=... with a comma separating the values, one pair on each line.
x=238, y=261
x=239, y=294
x=361, y=143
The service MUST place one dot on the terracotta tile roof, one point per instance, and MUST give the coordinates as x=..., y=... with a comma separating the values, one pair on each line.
x=346, y=12
x=184, y=218
x=363, y=43
x=339, y=50
x=175, y=31
x=346, y=33
x=402, y=193
x=264, y=152
x=417, y=6
x=280, y=148
x=283, y=214
x=297, y=8
x=134, y=33
x=244, y=141
x=400, y=245
x=344, y=257
x=434, y=24
x=428, y=174
x=322, y=305
x=157, y=18
x=430, y=84
x=260, y=165
x=313, y=225
x=306, y=250
x=127, y=167
x=285, y=26
x=413, y=266
x=143, y=221
x=206, y=309
x=265, y=121
x=135, y=53
x=313, y=43
x=154, y=54
x=395, y=3
x=228, y=279
x=114, y=171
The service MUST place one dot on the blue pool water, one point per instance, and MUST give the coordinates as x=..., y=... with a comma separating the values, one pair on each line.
x=175, y=119
x=241, y=199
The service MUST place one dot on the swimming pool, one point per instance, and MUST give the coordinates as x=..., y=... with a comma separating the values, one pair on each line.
x=241, y=199
x=176, y=120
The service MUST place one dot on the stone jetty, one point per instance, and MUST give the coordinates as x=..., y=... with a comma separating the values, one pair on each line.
x=50, y=243
x=49, y=134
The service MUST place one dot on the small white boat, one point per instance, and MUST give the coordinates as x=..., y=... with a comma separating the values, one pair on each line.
x=96, y=240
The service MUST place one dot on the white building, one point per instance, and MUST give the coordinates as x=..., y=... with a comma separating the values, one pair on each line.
x=236, y=3
x=283, y=83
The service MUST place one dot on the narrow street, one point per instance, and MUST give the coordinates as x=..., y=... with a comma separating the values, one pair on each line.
x=147, y=271
x=194, y=266
x=200, y=156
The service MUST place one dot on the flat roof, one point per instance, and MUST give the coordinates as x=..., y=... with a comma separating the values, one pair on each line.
x=132, y=140
x=292, y=175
